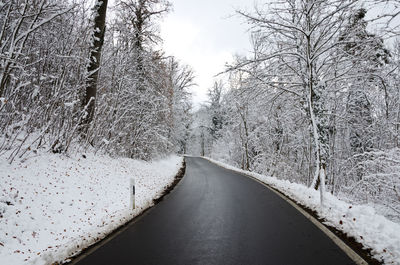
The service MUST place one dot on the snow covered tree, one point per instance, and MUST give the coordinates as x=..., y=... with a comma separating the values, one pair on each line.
x=298, y=61
x=180, y=79
x=317, y=98
x=367, y=55
x=144, y=94
x=41, y=57
x=139, y=16
x=60, y=78
x=19, y=20
x=97, y=40
x=215, y=96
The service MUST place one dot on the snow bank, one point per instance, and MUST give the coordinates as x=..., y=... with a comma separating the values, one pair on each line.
x=362, y=222
x=52, y=206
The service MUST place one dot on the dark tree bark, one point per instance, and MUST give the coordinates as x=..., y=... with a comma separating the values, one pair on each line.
x=89, y=99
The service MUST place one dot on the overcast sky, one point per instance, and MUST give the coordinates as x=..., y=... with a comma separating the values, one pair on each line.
x=205, y=35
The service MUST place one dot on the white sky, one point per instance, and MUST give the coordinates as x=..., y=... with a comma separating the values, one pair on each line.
x=205, y=34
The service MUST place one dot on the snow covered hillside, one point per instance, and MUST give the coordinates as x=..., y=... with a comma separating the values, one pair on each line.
x=362, y=222
x=52, y=206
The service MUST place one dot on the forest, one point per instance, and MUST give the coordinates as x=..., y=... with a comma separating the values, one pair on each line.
x=317, y=101
x=69, y=77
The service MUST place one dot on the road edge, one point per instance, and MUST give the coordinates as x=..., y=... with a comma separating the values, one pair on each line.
x=316, y=221
x=114, y=233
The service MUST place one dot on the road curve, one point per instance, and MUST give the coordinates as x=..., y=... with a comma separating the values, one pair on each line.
x=215, y=216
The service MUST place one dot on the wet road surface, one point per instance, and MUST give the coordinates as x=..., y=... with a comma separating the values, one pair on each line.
x=215, y=216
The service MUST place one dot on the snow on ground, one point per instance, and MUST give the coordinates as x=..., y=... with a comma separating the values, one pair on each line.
x=52, y=206
x=362, y=222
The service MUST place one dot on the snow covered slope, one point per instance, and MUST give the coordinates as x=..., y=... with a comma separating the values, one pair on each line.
x=362, y=222
x=52, y=206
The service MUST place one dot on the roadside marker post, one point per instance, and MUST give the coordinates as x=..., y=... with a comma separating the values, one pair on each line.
x=132, y=193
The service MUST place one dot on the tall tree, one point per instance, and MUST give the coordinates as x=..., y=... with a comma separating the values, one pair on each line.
x=140, y=16
x=97, y=40
x=366, y=55
x=300, y=35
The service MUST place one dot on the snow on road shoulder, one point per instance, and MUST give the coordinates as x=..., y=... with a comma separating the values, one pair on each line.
x=52, y=206
x=362, y=222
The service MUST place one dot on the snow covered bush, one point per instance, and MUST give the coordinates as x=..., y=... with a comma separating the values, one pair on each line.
x=374, y=177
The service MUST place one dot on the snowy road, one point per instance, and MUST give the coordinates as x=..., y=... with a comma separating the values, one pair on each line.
x=215, y=216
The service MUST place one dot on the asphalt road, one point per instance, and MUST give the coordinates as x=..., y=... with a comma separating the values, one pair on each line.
x=215, y=216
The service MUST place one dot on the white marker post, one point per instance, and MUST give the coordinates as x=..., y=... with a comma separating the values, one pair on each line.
x=132, y=192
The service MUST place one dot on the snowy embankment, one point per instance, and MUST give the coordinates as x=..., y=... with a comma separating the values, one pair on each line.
x=372, y=230
x=52, y=206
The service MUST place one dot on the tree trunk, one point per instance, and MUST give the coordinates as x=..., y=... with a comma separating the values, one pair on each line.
x=202, y=143
x=314, y=111
x=320, y=163
x=94, y=61
x=245, y=142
